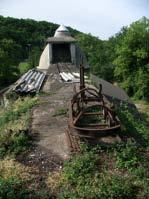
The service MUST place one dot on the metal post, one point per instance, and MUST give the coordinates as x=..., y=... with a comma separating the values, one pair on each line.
x=82, y=83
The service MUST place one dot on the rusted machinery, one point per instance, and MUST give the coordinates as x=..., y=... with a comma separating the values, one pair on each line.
x=90, y=117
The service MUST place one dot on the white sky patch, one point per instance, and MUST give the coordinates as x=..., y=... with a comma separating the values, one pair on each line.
x=102, y=18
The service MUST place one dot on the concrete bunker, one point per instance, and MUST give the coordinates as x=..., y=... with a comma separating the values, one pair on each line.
x=61, y=48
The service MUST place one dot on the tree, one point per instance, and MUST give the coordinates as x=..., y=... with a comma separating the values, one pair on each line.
x=132, y=59
x=97, y=54
x=9, y=59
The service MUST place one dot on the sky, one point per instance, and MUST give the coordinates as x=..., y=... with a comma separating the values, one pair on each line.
x=101, y=18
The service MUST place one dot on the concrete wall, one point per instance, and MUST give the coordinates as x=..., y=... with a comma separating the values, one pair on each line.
x=76, y=57
x=50, y=53
x=73, y=53
x=45, y=57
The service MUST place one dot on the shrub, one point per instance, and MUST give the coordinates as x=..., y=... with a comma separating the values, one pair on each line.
x=103, y=186
x=13, y=188
x=15, y=144
x=80, y=166
x=14, y=178
x=132, y=126
x=116, y=186
x=128, y=156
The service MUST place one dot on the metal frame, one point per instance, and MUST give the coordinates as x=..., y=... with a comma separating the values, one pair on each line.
x=87, y=99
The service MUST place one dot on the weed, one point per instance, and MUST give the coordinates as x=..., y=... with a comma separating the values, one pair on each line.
x=133, y=126
x=13, y=179
x=128, y=156
x=61, y=111
x=14, y=136
x=82, y=178
x=116, y=186
x=13, y=188
x=81, y=165
x=9, y=168
x=23, y=67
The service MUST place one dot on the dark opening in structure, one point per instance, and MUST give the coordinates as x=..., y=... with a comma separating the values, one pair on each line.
x=61, y=53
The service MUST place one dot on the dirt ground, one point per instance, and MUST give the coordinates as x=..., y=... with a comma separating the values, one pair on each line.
x=48, y=126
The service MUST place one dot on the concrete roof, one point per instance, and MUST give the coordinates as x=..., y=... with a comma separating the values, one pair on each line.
x=62, y=31
x=114, y=91
x=65, y=39
x=62, y=35
x=111, y=90
x=62, y=28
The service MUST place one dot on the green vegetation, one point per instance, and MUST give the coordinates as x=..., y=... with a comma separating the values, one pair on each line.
x=13, y=188
x=60, y=112
x=131, y=62
x=14, y=178
x=85, y=176
x=24, y=67
x=100, y=55
x=90, y=119
x=133, y=126
x=94, y=119
x=14, y=139
x=14, y=136
x=9, y=57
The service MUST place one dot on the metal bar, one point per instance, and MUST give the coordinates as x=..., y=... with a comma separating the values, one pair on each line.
x=78, y=116
x=72, y=141
x=93, y=113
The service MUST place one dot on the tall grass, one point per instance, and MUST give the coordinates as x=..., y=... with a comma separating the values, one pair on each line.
x=14, y=122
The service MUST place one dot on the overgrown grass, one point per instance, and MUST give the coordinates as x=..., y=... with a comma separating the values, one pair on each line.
x=60, y=112
x=13, y=188
x=132, y=126
x=95, y=119
x=9, y=168
x=14, y=136
x=14, y=180
x=82, y=177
